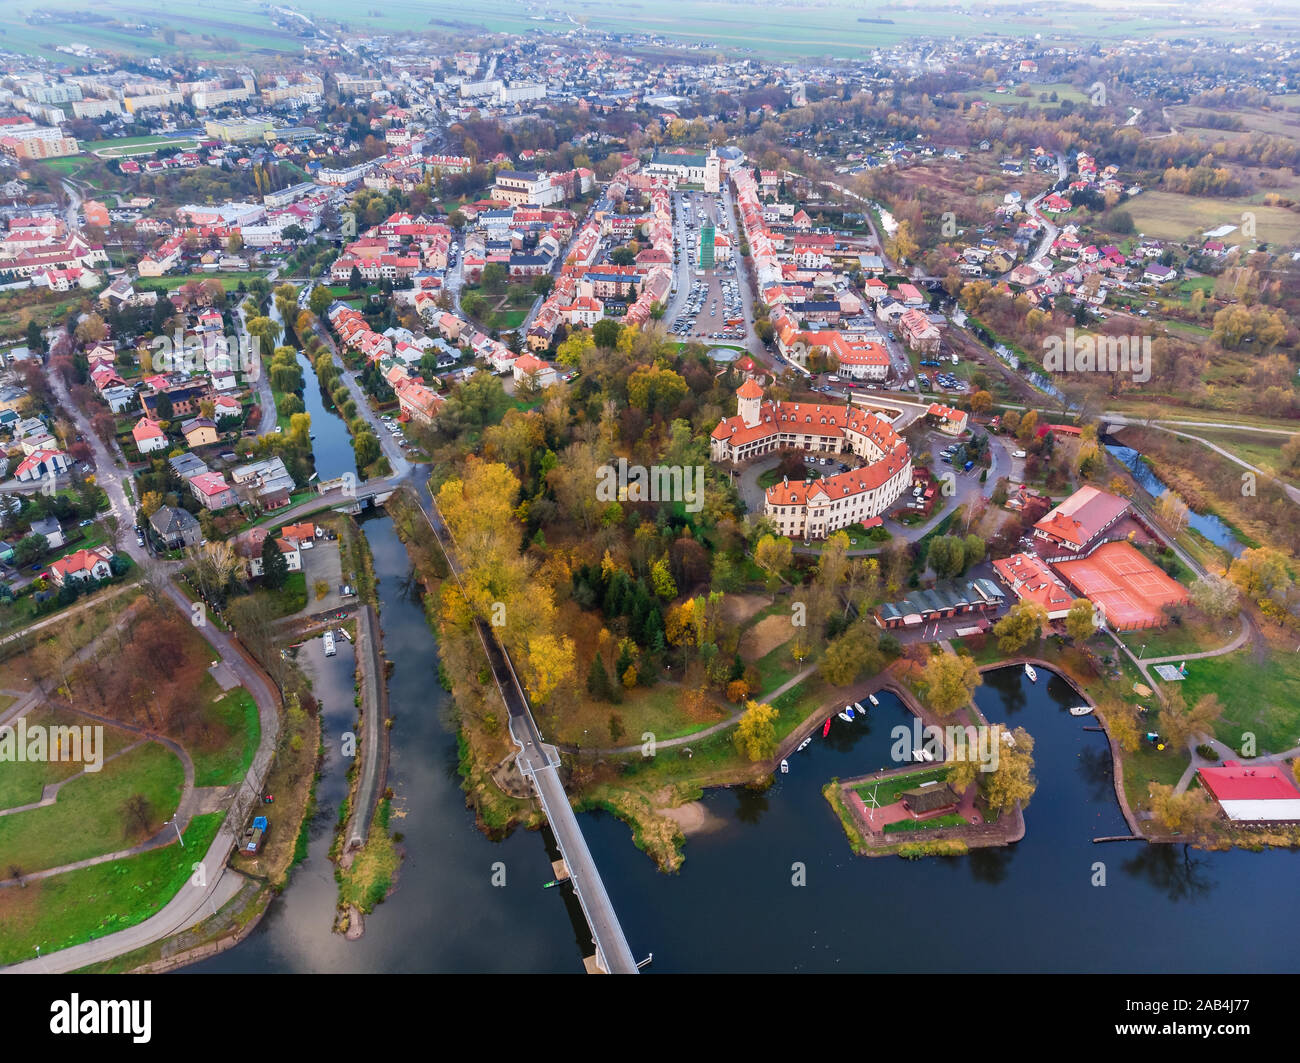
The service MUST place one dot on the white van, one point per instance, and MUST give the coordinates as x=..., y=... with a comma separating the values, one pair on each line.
x=832, y=380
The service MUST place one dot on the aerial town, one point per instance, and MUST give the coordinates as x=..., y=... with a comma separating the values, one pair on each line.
x=479, y=485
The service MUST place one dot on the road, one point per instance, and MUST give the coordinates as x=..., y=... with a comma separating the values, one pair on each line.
x=110, y=466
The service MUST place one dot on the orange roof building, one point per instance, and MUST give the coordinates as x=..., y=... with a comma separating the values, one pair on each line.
x=1032, y=581
x=813, y=509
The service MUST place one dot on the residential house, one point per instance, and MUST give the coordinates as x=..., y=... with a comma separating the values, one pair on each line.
x=212, y=491
x=82, y=565
x=176, y=527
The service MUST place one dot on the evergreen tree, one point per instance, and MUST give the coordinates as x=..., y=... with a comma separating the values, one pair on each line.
x=275, y=569
x=598, y=679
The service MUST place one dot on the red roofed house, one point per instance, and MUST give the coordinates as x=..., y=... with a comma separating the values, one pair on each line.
x=528, y=367
x=148, y=436
x=816, y=508
x=1253, y=793
x=951, y=422
x=1032, y=581
x=211, y=489
x=82, y=565
x=1081, y=518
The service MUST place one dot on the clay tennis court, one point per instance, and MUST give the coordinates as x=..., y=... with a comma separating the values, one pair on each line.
x=1129, y=588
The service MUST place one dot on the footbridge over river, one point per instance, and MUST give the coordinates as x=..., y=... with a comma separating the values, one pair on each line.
x=539, y=762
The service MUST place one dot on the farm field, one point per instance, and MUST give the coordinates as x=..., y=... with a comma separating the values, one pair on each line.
x=834, y=27
x=1170, y=216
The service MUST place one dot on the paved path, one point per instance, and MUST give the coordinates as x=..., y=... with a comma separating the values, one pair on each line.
x=191, y=900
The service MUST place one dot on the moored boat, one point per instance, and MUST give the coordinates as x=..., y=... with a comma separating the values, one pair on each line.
x=1029, y=671
x=1080, y=710
x=785, y=766
x=872, y=698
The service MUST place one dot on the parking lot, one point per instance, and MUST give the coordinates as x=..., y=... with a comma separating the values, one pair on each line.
x=703, y=309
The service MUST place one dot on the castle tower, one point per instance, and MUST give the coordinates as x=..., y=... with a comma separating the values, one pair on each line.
x=749, y=397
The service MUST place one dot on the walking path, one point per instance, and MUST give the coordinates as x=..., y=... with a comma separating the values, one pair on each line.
x=696, y=736
x=165, y=835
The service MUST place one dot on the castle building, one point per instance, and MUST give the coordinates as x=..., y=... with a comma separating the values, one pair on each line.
x=814, y=509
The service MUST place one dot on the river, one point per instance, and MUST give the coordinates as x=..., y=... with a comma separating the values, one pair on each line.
x=1207, y=524
x=733, y=907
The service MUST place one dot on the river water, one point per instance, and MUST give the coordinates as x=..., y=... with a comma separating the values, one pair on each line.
x=1207, y=524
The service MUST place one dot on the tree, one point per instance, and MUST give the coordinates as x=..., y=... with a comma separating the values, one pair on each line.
x=661, y=578
x=355, y=281
x=550, y=664
x=1122, y=724
x=319, y=300
x=773, y=555
x=1192, y=812
x=949, y=682
x=1080, y=622
x=598, y=680
x=756, y=733
x=1024, y=623
x=847, y=657
x=606, y=333
x=138, y=814
x=275, y=569
x=150, y=503
x=1216, y=597
x=1012, y=781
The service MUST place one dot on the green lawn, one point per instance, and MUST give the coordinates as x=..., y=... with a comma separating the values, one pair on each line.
x=231, y=714
x=953, y=819
x=88, y=818
x=292, y=597
x=888, y=790
x=1259, y=696
x=21, y=782
x=229, y=280
x=90, y=903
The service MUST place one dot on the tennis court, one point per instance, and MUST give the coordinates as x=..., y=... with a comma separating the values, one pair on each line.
x=1130, y=590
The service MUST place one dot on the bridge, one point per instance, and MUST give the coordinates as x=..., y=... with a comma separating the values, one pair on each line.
x=539, y=762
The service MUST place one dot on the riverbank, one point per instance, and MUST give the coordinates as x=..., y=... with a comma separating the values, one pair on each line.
x=498, y=794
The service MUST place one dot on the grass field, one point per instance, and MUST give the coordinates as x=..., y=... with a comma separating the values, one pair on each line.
x=229, y=281
x=82, y=905
x=88, y=818
x=21, y=782
x=1259, y=694
x=1171, y=216
x=124, y=147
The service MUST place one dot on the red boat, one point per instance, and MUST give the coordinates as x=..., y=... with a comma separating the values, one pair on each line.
x=827, y=729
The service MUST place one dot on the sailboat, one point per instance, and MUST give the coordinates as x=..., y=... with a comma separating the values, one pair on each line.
x=1080, y=710
x=1029, y=671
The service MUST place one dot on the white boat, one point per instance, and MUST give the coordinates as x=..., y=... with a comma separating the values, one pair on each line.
x=785, y=767
x=1081, y=710
x=922, y=754
x=1029, y=671
x=846, y=717
x=848, y=713
x=858, y=705
x=329, y=643
x=872, y=698
x=804, y=745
